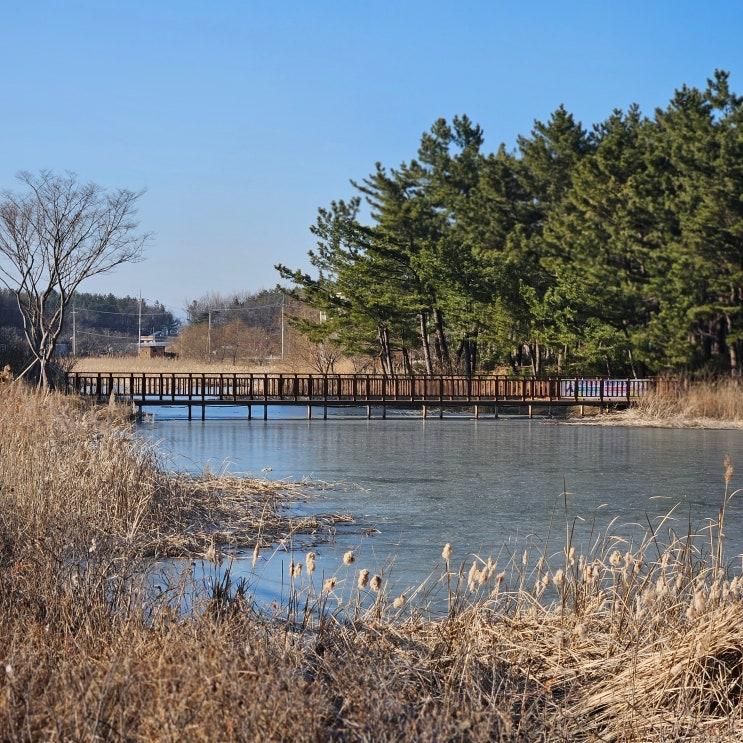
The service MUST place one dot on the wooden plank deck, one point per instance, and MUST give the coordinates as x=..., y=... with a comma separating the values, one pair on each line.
x=342, y=390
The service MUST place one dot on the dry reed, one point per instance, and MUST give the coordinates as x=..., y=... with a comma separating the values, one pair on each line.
x=713, y=404
x=621, y=643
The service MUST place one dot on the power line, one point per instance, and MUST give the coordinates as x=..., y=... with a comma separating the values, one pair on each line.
x=110, y=337
x=110, y=312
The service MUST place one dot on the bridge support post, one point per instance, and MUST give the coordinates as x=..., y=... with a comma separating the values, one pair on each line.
x=190, y=412
x=441, y=412
x=582, y=410
x=530, y=412
x=368, y=412
x=477, y=412
x=309, y=412
x=324, y=412
x=384, y=412
x=424, y=411
x=250, y=412
x=495, y=411
x=203, y=411
x=265, y=412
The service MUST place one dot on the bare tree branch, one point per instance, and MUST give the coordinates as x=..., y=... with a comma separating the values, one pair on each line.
x=54, y=235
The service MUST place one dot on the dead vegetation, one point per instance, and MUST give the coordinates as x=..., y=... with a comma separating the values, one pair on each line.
x=627, y=642
x=712, y=404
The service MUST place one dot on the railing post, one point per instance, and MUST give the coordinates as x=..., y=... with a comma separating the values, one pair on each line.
x=412, y=387
x=628, y=393
x=143, y=390
x=441, y=388
x=601, y=390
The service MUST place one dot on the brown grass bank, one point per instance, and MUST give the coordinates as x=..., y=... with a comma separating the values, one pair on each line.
x=640, y=642
x=713, y=404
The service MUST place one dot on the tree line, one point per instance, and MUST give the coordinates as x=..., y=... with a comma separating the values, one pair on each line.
x=616, y=249
x=103, y=323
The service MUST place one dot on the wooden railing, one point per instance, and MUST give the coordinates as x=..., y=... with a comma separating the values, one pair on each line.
x=350, y=388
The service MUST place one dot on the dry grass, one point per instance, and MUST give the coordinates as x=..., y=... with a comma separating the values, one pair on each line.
x=639, y=642
x=702, y=405
x=128, y=364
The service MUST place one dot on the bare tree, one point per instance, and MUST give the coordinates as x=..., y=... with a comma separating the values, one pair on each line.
x=54, y=235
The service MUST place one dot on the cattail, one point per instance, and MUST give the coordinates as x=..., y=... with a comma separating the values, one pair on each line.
x=714, y=592
x=571, y=555
x=525, y=558
x=210, y=554
x=310, y=562
x=660, y=587
x=348, y=558
x=728, y=470
x=734, y=585
x=615, y=558
x=295, y=569
x=699, y=602
x=329, y=585
x=376, y=584
x=399, y=602
x=446, y=553
x=580, y=630
x=255, y=553
x=472, y=577
x=559, y=578
x=363, y=578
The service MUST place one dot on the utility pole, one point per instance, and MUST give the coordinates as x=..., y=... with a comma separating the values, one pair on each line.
x=209, y=337
x=139, y=327
x=74, y=331
x=283, y=299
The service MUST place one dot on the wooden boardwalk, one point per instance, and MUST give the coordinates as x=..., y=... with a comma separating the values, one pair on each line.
x=344, y=390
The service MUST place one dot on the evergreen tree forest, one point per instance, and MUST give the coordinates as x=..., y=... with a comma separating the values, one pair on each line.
x=613, y=250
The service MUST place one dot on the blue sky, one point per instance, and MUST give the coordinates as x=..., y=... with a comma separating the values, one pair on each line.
x=241, y=118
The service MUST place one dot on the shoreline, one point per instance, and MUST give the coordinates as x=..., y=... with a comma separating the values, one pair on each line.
x=527, y=649
x=628, y=420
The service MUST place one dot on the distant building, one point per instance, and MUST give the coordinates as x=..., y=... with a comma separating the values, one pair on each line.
x=153, y=346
